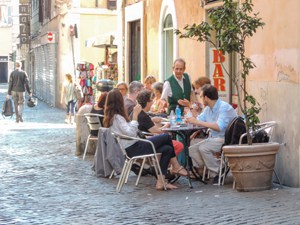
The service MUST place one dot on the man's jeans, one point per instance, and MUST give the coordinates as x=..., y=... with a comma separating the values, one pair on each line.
x=18, y=98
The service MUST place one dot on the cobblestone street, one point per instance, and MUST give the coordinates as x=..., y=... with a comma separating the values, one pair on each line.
x=43, y=182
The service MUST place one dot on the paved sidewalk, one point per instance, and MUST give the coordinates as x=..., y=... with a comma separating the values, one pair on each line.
x=43, y=182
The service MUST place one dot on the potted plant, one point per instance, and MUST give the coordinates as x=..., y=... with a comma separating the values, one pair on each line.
x=232, y=24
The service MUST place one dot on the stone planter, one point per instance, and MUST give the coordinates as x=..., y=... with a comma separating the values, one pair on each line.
x=252, y=165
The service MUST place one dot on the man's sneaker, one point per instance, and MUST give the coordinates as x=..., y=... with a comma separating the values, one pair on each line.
x=21, y=119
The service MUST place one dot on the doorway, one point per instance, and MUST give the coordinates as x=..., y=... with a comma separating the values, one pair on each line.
x=3, y=72
x=135, y=51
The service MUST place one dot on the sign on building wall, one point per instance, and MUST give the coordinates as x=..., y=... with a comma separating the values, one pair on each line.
x=217, y=62
x=24, y=23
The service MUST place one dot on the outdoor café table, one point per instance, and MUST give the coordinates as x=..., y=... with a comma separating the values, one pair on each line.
x=185, y=133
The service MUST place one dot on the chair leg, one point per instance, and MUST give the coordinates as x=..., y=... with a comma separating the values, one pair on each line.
x=204, y=173
x=277, y=177
x=112, y=174
x=128, y=170
x=154, y=165
x=159, y=173
x=86, y=146
x=140, y=172
x=122, y=177
x=220, y=172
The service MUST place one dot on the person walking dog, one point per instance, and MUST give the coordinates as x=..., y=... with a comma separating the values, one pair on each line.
x=18, y=82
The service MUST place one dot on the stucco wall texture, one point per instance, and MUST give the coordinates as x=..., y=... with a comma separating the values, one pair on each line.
x=275, y=50
x=190, y=50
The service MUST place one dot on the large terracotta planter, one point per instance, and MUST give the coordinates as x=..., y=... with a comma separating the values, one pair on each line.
x=252, y=165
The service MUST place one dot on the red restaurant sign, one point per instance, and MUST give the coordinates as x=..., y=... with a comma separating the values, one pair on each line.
x=217, y=74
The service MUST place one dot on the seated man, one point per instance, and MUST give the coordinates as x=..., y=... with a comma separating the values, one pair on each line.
x=130, y=101
x=146, y=123
x=216, y=116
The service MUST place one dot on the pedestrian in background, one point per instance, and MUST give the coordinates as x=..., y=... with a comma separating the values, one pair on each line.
x=69, y=98
x=18, y=82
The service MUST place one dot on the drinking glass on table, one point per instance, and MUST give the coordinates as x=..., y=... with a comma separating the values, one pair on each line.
x=187, y=115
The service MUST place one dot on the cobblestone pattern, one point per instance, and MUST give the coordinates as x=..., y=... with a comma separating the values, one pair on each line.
x=43, y=182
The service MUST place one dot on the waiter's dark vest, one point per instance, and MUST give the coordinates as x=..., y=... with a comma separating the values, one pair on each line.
x=178, y=93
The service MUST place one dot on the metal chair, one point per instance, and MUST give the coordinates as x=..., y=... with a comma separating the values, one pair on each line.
x=233, y=132
x=153, y=158
x=94, y=123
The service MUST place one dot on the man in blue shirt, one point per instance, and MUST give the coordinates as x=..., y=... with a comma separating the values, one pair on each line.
x=216, y=116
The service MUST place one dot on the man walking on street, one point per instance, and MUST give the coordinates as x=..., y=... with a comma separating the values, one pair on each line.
x=18, y=82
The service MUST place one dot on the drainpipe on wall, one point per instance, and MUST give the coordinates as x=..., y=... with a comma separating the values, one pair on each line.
x=144, y=56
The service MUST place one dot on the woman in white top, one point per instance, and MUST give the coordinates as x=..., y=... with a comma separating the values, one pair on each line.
x=116, y=118
x=70, y=98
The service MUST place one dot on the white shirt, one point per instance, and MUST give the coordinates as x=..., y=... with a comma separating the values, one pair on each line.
x=121, y=126
x=167, y=90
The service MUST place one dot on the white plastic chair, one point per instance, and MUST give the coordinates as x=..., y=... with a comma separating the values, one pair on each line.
x=153, y=158
x=93, y=122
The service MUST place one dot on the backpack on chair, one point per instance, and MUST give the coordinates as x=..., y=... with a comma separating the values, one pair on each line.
x=234, y=131
x=7, y=109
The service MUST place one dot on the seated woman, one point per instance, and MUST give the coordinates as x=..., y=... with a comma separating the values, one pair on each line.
x=159, y=106
x=149, y=80
x=146, y=124
x=123, y=88
x=197, y=107
x=116, y=118
x=98, y=108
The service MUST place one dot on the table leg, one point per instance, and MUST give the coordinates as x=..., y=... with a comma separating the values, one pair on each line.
x=189, y=164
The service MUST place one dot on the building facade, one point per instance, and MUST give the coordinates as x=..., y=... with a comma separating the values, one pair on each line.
x=9, y=31
x=59, y=31
x=150, y=46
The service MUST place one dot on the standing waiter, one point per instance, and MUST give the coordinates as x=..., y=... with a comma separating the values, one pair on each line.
x=18, y=82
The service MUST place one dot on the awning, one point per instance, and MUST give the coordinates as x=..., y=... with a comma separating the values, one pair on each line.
x=102, y=41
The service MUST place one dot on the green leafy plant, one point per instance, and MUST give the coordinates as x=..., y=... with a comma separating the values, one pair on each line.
x=232, y=24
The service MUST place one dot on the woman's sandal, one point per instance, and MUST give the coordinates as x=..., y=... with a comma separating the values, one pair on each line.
x=178, y=172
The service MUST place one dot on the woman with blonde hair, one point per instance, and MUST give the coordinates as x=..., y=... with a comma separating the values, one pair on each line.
x=69, y=98
x=149, y=80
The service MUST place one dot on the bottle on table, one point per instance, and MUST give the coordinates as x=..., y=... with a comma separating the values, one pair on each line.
x=178, y=114
x=172, y=119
